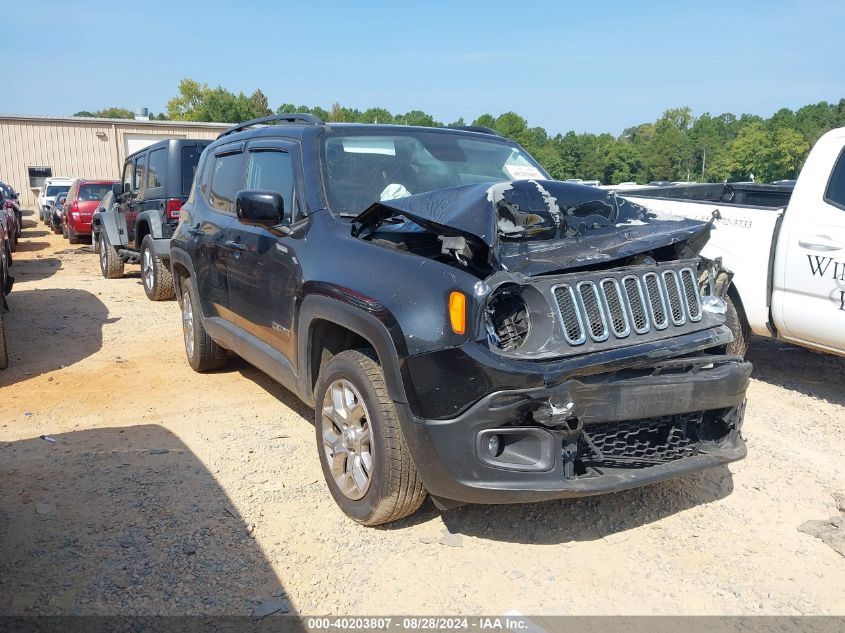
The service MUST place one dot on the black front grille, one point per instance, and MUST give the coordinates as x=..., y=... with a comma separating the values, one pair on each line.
x=638, y=443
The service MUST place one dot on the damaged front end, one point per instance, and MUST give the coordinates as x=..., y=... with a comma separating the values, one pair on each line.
x=596, y=361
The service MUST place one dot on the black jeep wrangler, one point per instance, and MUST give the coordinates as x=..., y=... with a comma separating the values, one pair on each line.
x=135, y=223
x=463, y=325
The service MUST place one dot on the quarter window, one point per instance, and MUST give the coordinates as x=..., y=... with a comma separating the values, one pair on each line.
x=155, y=168
x=272, y=171
x=836, y=186
x=226, y=180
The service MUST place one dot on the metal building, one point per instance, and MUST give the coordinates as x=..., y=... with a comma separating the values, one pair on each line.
x=33, y=148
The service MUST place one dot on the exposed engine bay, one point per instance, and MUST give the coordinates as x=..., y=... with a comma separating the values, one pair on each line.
x=565, y=268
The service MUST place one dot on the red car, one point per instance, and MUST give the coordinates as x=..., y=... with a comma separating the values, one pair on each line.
x=80, y=204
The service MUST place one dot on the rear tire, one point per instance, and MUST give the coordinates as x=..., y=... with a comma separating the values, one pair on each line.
x=365, y=460
x=110, y=263
x=203, y=353
x=738, y=324
x=158, y=280
x=72, y=237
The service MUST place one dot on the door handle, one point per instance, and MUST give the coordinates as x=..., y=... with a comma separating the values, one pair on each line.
x=235, y=246
x=819, y=243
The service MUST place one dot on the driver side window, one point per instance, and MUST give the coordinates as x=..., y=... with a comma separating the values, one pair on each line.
x=127, y=176
x=272, y=170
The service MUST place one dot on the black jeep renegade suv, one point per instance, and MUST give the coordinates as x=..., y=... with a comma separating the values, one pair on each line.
x=463, y=325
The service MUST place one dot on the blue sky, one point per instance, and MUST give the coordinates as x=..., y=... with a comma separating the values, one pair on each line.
x=588, y=66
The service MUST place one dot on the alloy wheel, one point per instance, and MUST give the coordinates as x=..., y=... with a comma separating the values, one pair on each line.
x=147, y=268
x=188, y=324
x=347, y=440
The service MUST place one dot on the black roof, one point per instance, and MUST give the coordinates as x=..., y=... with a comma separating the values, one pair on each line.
x=178, y=142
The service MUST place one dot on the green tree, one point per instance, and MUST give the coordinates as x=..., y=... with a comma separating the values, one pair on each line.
x=258, y=104
x=198, y=102
x=108, y=113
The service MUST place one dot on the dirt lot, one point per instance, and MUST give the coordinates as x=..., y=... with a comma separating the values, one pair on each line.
x=168, y=491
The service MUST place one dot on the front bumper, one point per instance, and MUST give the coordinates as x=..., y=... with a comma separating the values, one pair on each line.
x=587, y=435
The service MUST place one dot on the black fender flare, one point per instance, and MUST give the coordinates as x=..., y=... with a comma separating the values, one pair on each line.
x=367, y=326
x=180, y=257
x=152, y=218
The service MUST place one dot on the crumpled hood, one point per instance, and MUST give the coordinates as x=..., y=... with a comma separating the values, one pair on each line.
x=538, y=226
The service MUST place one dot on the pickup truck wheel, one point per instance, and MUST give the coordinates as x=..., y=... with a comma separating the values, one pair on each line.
x=158, y=280
x=110, y=263
x=365, y=460
x=738, y=324
x=203, y=353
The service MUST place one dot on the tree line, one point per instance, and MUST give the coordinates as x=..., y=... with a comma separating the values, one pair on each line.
x=678, y=146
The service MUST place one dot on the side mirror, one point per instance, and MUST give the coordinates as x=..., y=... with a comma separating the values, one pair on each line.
x=126, y=188
x=15, y=196
x=259, y=207
x=62, y=200
x=117, y=189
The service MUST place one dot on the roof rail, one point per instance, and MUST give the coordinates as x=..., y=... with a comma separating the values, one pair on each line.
x=475, y=128
x=308, y=119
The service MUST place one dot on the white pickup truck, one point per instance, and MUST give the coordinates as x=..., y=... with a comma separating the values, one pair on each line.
x=788, y=260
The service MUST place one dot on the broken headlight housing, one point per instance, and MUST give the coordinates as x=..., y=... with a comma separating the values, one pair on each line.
x=507, y=319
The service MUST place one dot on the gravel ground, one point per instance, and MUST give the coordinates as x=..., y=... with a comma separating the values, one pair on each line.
x=171, y=492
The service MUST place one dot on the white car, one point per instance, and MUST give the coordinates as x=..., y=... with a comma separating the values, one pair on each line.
x=53, y=186
x=788, y=261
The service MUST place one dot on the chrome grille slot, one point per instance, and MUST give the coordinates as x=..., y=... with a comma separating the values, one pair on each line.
x=617, y=315
x=593, y=309
x=656, y=301
x=673, y=293
x=570, y=315
x=651, y=301
x=691, y=294
x=636, y=304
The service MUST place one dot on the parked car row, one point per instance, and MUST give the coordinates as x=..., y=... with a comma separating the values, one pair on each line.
x=10, y=232
x=70, y=210
x=10, y=215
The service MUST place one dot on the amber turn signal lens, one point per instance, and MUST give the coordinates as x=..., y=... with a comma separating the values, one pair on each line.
x=458, y=312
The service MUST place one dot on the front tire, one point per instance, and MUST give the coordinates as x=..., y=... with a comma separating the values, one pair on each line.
x=203, y=353
x=158, y=280
x=738, y=324
x=365, y=459
x=110, y=263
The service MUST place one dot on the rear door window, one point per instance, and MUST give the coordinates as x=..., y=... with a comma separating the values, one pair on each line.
x=190, y=159
x=226, y=180
x=156, y=167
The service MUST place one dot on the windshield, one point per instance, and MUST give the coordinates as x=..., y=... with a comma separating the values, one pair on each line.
x=53, y=190
x=93, y=192
x=360, y=169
